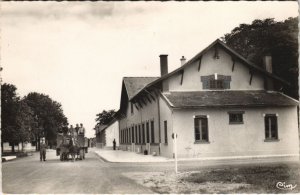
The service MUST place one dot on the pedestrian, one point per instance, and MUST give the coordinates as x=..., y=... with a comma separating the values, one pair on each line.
x=77, y=128
x=43, y=147
x=114, y=144
x=71, y=131
x=81, y=130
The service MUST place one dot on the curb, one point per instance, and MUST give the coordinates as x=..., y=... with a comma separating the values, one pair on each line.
x=105, y=160
x=5, y=159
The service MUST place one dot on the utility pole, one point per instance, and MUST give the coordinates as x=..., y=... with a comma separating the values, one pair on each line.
x=174, y=136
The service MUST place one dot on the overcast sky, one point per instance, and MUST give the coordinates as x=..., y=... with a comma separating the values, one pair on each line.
x=78, y=52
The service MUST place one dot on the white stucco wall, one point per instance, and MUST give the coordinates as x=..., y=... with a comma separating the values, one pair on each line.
x=166, y=115
x=111, y=133
x=246, y=139
x=239, y=77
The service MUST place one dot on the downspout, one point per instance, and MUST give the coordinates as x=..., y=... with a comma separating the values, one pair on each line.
x=172, y=131
x=159, y=129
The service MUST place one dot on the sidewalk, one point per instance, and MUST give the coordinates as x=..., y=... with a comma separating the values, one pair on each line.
x=126, y=156
x=8, y=158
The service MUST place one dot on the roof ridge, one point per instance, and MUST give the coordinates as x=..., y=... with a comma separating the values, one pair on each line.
x=143, y=77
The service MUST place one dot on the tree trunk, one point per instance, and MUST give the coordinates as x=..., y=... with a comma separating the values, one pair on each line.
x=2, y=148
x=38, y=140
x=36, y=143
x=13, y=148
x=22, y=146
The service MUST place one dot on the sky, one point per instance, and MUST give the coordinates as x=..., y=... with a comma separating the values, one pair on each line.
x=78, y=52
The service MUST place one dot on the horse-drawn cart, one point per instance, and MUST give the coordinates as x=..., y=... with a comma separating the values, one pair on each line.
x=74, y=146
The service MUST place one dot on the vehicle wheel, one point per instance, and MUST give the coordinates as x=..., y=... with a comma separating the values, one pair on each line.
x=83, y=155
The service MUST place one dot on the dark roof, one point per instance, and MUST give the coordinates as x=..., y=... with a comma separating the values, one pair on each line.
x=218, y=42
x=134, y=84
x=227, y=99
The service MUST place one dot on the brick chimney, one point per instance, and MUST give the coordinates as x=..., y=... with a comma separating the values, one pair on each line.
x=182, y=60
x=267, y=62
x=164, y=71
x=163, y=64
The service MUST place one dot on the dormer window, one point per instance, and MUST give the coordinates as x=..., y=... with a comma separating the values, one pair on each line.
x=216, y=81
x=216, y=84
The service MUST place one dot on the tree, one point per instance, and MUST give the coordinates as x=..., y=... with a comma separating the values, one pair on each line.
x=48, y=117
x=16, y=117
x=24, y=122
x=279, y=39
x=105, y=117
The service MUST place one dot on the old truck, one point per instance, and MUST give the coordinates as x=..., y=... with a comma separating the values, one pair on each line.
x=68, y=145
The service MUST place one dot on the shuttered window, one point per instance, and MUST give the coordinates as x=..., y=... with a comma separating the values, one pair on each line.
x=166, y=131
x=152, y=132
x=147, y=133
x=211, y=82
x=140, y=134
x=143, y=130
x=132, y=134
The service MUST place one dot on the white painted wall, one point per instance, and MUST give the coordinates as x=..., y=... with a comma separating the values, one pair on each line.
x=246, y=139
x=166, y=114
x=239, y=77
x=111, y=133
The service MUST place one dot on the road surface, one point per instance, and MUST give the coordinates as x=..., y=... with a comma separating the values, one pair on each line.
x=92, y=175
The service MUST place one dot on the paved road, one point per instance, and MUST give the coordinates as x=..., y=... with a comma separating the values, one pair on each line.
x=92, y=175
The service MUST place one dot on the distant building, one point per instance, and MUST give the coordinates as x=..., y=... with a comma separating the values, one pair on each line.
x=105, y=134
x=218, y=103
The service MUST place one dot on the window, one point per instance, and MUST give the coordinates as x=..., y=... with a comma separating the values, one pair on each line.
x=166, y=131
x=236, y=117
x=271, y=128
x=131, y=107
x=216, y=82
x=152, y=132
x=128, y=135
x=140, y=134
x=132, y=134
x=136, y=137
x=143, y=130
x=201, y=128
x=147, y=133
x=122, y=136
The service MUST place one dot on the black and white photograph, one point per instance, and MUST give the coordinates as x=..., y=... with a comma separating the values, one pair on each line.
x=149, y=97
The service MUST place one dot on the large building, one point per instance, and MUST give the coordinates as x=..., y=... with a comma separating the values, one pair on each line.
x=218, y=103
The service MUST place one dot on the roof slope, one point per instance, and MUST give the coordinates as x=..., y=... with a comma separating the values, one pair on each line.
x=218, y=42
x=134, y=84
x=227, y=98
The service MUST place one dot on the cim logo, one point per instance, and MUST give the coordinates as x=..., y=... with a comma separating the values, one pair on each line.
x=284, y=186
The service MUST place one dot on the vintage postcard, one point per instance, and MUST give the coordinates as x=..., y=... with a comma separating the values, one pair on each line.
x=149, y=97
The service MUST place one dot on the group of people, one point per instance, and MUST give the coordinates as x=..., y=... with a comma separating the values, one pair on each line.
x=78, y=130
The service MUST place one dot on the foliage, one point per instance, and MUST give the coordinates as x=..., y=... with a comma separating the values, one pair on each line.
x=105, y=117
x=48, y=115
x=263, y=37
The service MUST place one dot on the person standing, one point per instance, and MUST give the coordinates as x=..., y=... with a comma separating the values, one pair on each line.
x=114, y=144
x=77, y=128
x=71, y=131
x=43, y=147
x=81, y=129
